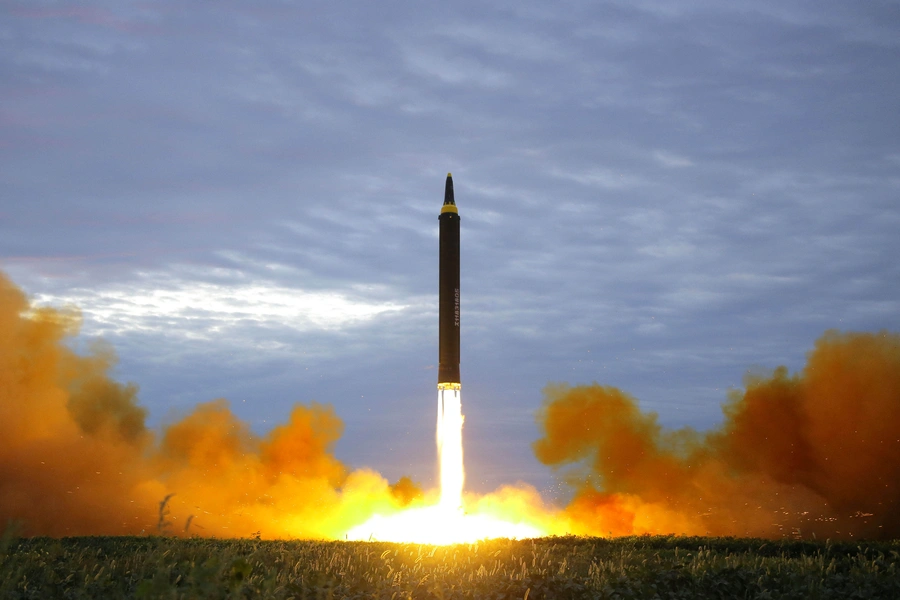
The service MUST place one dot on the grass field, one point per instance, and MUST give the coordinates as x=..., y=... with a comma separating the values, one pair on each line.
x=562, y=567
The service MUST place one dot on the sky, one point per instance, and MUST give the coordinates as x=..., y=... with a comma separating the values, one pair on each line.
x=242, y=197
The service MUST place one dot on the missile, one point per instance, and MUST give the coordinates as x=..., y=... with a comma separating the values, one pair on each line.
x=448, y=300
x=449, y=416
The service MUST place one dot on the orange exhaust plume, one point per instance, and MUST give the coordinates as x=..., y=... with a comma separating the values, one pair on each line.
x=76, y=457
x=816, y=453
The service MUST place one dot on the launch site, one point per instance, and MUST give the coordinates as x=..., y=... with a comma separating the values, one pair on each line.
x=510, y=301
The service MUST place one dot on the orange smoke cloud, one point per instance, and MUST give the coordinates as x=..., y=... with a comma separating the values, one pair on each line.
x=817, y=452
x=76, y=456
x=813, y=453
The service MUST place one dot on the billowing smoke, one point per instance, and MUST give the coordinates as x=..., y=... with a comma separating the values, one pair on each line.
x=814, y=453
x=817, y=452
x=77, y=458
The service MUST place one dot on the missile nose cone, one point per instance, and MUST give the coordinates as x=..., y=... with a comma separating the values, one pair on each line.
x=449, y=203
x=448, y=191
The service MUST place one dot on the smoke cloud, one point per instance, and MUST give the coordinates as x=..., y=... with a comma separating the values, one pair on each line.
x=817, y=452
x=76, y=457
x=813, y=453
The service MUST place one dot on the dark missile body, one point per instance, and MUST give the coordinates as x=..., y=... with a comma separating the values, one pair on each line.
x=448, y=337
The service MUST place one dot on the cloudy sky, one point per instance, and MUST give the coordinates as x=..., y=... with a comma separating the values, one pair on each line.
x=659, y=195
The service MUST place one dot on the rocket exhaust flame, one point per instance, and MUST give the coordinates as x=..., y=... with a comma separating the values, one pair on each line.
x=447, y=521
x=450, y=449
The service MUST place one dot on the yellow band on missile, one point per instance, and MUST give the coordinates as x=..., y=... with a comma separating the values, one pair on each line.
x=449, y=386
x=449, y=208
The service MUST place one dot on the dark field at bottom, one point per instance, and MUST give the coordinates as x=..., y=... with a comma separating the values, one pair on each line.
x=558, y=567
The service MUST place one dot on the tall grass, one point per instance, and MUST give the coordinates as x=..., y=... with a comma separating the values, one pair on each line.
x=566, y=567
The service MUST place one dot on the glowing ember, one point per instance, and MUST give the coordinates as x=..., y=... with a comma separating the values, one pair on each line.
x=446, y=522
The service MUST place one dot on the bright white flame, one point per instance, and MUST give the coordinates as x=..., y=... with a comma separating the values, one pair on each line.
x=450, y=450
x=446, y=522
x=437, y=525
